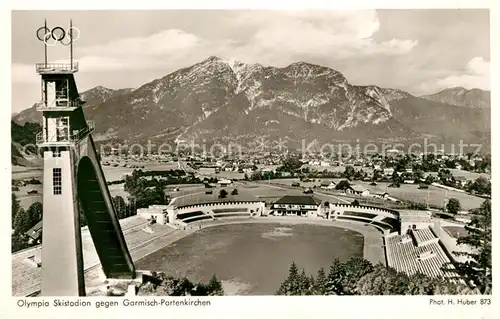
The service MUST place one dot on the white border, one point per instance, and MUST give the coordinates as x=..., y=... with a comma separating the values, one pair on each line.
x=237, y=307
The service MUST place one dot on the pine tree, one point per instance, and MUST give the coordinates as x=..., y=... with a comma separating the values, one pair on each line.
x=320, y=282
x=354, y=269
x=478, y=267
x=291, y=284
x=303, y=283
x=215, y=287
x=334, y=279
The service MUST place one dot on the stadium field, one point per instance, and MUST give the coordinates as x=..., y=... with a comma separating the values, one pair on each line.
x=253, y=259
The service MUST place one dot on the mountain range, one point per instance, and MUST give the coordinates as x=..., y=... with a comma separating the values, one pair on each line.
x=460, y=96
x=226, y=100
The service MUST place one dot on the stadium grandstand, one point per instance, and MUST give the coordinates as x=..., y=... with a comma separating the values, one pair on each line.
x=141, y=236
x=418, y=251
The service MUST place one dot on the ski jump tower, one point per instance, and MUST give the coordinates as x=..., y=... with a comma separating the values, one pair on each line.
x=73, y=181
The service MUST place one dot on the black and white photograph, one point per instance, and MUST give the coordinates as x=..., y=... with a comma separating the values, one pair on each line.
x=251, y=153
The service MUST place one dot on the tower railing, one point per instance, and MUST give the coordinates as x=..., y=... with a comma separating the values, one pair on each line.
x=60, y=139
x=46, y=68
x=61, y=105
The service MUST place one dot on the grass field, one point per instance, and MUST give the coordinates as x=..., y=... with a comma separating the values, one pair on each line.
x=434, y=195
x=456, y=231
x=469, y=175
x=245, y=192
x=253, y=259
x=21, y=172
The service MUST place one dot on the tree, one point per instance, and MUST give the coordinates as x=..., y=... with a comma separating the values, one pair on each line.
x=478, y=266
x=290, y=286
x=162, y=285
x=418, y=175
x=445, y=176
x=334, y=278
x=343, y=185
x=234, y=192
x=15, y=207
x=480, y=186
x=320, y=282
x=215, y=287
x=223, y=193
x=25, y=220
x=395, y=178
x=358, y=276
x=19, y=241
x=429, y=179
x=22, y=222
x=349, y=172
x=355, y=202
x=35, y=212
x=120, y=207
x=290, y=164
x=453, y=206
x=354, y=269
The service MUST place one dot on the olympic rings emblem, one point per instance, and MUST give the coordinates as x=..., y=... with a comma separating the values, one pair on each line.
x=57, y=35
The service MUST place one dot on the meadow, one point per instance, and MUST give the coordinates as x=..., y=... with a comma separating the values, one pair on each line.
x=434, y=195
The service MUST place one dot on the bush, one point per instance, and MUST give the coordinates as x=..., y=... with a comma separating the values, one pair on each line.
x=234, y=192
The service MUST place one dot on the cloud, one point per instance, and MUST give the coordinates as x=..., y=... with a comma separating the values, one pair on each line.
x=336, y=34
x=476, y=75
x=269, y=37
x=24, y=73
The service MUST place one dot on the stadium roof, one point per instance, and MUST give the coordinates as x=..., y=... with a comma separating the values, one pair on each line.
x=298, y=200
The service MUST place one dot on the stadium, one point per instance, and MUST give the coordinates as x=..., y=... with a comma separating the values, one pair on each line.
x=407, y=241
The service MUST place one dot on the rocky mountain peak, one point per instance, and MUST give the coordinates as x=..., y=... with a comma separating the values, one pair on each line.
x=232, y=100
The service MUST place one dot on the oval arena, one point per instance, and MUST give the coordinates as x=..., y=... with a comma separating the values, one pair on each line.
x=405, y=240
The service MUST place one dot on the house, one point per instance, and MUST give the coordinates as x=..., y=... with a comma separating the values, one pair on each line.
x=326, y=185
x=288, y=205
x=382, y=195
x=461, y=180
x=388, y=171
x=35, y=233
x=224, y=182
x=357, y=190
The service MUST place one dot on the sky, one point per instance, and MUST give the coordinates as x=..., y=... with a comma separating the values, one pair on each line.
x=419, y=51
